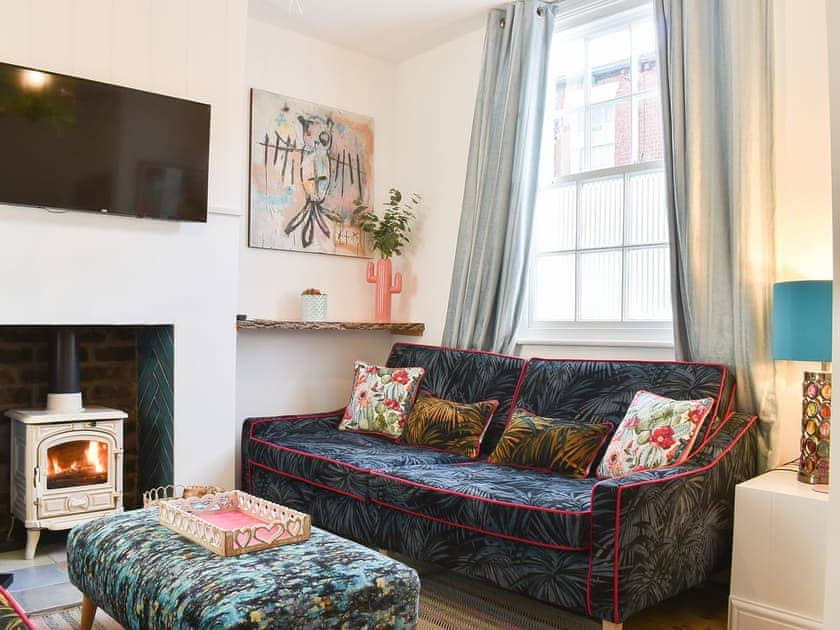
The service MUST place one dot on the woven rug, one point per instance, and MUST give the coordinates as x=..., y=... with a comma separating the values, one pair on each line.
x=447, y=602
x=451, y=602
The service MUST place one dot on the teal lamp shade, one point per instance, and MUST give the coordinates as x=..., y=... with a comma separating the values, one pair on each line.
x=802, y=321
x=802, y=332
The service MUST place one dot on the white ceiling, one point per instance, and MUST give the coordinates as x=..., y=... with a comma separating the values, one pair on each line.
x=388, y=29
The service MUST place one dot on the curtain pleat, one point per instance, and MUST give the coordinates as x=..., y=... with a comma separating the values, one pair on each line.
x=489, y=278
x=716, y=78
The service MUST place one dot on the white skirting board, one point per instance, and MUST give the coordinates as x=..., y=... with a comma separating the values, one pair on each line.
x=747, y=615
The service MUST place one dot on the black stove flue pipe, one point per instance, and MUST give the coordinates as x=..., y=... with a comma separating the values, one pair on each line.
x=64, y=363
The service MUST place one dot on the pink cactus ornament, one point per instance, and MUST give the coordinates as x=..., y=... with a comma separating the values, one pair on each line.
x=381, y=276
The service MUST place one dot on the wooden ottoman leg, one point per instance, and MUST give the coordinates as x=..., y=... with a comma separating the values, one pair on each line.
x=88, y=613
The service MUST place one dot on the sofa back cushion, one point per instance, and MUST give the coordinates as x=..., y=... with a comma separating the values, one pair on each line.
x=601, y=391
x=465, y=376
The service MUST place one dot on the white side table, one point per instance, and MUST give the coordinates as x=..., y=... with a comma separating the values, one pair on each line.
x=778, y=555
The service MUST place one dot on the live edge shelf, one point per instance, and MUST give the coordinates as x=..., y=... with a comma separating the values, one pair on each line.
x=397, y=328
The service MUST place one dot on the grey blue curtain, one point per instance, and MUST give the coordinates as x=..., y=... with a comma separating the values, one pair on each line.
x=716, y=78
x=488, y=282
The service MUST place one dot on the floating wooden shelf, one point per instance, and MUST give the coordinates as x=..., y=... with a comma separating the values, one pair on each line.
x=397, y=328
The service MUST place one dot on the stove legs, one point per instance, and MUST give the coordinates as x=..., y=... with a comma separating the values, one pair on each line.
x=32, y=536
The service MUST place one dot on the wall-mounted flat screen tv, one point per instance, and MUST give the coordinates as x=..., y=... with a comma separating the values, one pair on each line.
x=70, y=143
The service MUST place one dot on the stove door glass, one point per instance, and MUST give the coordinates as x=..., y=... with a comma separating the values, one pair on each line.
x=77, y=463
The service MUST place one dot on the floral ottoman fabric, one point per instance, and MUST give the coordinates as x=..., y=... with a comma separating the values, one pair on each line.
x=146, y=576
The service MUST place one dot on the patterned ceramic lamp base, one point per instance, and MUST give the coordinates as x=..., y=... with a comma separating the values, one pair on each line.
x=816, y=428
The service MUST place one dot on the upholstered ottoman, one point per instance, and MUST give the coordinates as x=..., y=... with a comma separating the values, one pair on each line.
x=146, y=576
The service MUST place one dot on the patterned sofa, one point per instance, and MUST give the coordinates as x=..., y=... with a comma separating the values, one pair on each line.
x=601, y=548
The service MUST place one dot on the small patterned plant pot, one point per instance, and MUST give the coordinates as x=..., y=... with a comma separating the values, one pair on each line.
x=313, y=308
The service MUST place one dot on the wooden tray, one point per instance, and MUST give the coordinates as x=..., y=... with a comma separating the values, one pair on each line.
x=232, y=523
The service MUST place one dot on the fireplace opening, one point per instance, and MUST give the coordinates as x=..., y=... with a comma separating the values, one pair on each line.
x=125, y=367
x=77, y=463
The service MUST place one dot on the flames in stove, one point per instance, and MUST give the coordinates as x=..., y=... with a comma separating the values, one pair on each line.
x=77, y=463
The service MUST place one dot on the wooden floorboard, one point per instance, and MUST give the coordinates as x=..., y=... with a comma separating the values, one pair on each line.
x=701, y=608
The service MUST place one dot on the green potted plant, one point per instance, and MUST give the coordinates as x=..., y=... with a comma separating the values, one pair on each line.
x=388, y=235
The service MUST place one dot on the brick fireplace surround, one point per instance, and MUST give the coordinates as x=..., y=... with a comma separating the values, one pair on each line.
x=123, y=367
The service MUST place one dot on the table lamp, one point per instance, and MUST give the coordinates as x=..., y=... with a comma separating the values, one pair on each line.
x=802, y=332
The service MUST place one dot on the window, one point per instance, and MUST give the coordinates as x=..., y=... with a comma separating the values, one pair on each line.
x=600, y=242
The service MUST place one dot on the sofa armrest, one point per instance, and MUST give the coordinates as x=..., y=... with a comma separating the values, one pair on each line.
x=656, y=533
x=254, y=427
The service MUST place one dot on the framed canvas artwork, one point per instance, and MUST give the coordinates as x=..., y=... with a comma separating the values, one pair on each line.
x=310, y=164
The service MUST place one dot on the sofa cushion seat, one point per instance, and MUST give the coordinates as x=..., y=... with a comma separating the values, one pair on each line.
x=313, y=450
x=529, y=506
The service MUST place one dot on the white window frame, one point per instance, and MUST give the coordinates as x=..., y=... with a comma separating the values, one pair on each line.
x=649, y=334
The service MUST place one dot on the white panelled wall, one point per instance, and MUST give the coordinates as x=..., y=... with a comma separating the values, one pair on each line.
x=84, y=268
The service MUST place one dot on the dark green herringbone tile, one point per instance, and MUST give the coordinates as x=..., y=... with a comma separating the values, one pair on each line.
x=155, y=402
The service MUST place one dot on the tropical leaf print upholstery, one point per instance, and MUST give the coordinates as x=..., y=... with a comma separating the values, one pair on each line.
x=381, y=399
x=643, y=537
x=554, y=576
x=551, y=444
x=447, y=425
x=648, y=545
x=656, y=431
x=659, y=532
x=598, y=391
x=312, y=450
x=465, y=376
x=538, y=507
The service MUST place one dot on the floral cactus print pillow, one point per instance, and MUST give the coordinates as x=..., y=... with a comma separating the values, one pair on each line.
x=381, y=399
x=656, y=431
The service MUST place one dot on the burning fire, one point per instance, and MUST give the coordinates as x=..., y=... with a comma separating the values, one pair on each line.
x=94, y=461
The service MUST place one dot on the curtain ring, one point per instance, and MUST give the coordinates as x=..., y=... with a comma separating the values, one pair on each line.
x=502, y=23
x=540, y=11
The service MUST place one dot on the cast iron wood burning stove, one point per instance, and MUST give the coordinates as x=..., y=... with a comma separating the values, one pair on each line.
x=66, y=463
x=66, y=468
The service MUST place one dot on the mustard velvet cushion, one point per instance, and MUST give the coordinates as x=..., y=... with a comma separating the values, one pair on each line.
x=656, y=431
x=381, y=399
x=447, y=425
x=550, y=444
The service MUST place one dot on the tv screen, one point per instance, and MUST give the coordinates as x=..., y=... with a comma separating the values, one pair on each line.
x=84, y=145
